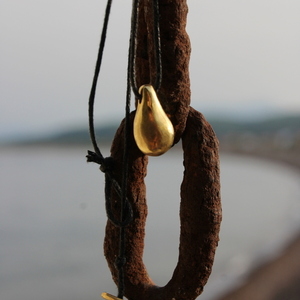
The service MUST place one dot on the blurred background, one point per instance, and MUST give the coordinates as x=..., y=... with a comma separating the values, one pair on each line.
x=245, y=74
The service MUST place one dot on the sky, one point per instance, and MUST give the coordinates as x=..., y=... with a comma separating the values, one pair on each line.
x=244, y=64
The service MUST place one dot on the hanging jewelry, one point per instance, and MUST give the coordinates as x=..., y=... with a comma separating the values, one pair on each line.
x=152, y=129
x=108, y=296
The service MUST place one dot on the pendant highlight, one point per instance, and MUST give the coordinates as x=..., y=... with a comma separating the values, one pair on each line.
x=152, y=129
x=109, y=297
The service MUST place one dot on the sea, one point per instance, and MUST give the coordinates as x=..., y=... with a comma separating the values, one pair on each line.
x=52, y=221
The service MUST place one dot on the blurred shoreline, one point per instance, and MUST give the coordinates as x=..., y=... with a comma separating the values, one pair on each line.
x=278, y=278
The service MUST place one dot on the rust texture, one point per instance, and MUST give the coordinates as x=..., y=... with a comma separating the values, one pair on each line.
x=174, y=93
x=200, y=209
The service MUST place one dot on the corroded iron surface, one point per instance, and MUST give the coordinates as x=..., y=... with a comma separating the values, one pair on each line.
x=200, y=209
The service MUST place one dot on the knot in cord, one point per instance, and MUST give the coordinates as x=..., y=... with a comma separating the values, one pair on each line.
x=106, y=163
x=106, y=166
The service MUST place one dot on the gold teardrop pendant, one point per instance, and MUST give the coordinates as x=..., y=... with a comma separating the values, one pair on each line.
x=153, y=131
x=108, y=296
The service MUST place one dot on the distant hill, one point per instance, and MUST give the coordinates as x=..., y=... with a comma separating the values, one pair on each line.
x=81, y=136
x=76, y=136
x=222, y=128
x=272, y=125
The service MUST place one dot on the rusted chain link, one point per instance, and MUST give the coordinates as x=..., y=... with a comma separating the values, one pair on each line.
x=200, y=217
x=200, y=209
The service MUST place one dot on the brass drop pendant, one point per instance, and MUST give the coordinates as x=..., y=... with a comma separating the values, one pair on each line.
x=152, y=129
x=108, y=296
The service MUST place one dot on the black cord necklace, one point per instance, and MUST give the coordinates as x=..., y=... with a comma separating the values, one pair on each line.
x=126, y=214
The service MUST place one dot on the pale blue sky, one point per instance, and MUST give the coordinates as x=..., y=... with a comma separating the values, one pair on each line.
x=245, y=60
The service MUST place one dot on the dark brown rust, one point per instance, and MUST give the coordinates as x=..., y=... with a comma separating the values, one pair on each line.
x=200, y=210
x=200, y=216
x=174, y=93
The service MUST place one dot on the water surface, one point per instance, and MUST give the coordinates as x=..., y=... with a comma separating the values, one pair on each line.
x=52, y=221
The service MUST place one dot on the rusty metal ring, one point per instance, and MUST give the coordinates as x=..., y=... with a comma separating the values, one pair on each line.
x=200, y=216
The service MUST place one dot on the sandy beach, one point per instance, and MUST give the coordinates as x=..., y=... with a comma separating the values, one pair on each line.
x=278, y=279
